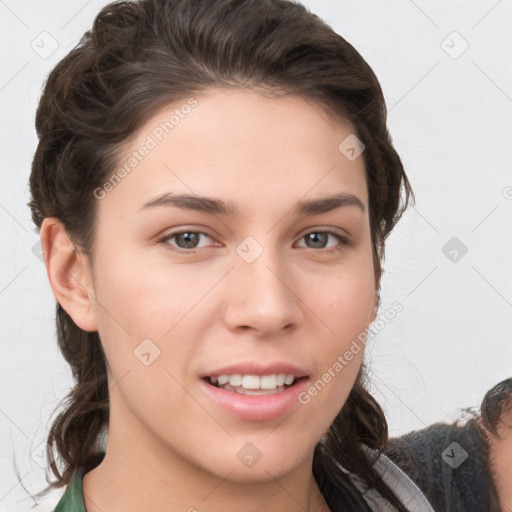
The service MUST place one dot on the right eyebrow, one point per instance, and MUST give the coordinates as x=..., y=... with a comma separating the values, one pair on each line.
x=197, y=203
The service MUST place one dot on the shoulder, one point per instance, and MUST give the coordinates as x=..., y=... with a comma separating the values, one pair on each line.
x=452, y=463
x=405, y=489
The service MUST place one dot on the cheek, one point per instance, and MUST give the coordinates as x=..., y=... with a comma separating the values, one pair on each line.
x=345, y=302
x=145, y=328
x=345, y=306
x=155, y=314
x=147, y=301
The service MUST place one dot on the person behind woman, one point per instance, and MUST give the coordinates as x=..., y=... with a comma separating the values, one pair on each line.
x=214, y=183
x=463, y=465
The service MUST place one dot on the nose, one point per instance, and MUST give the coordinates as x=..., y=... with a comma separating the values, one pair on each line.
x=262, y=295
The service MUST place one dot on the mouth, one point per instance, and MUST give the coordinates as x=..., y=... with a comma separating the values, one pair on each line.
x=254, y=385
x=253, y=392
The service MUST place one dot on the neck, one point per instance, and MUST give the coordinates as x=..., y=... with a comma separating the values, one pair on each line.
x=135, y=485
x=150, y=477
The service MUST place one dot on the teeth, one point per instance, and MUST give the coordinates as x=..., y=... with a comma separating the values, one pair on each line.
x=254, y=382
x=289, y=379
x=250, y=382
x=268, y=382
x=223, y=379
x=235, y=380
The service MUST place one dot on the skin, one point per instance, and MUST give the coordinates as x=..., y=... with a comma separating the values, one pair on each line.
x=501, y=460
x=170, y=447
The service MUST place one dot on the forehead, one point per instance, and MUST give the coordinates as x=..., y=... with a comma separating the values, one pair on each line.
x=241, y=146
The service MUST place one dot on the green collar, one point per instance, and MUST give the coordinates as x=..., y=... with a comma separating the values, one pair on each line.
x=73, y=498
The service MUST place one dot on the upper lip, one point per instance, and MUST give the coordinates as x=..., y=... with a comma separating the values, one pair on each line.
x=254, y=368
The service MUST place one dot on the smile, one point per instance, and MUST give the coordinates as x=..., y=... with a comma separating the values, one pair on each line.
x=254, y=384
x=256, y=394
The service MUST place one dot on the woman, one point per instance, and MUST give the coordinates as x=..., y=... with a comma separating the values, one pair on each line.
x=214, y=184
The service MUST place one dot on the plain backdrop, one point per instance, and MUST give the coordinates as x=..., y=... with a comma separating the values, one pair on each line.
x=445, y=71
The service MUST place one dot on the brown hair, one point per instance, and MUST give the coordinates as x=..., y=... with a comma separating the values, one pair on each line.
x=496, y=408
x=142, y=55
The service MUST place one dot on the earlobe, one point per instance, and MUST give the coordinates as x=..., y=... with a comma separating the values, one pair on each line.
x=69, y=274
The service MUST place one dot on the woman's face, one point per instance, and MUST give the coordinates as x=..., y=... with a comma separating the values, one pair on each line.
x=254, y=287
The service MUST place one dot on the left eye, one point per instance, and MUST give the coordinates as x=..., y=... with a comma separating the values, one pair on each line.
x=319, y=238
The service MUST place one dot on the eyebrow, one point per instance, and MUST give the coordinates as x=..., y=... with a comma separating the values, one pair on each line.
x=218, y=207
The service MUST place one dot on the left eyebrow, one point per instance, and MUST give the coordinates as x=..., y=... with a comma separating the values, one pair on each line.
x=326, y=204
x=218, y=207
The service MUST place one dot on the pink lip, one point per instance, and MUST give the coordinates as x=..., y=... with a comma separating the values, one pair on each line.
x=253, y=368
x=255, y=407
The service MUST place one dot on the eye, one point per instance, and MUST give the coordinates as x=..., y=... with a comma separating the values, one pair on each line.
x=189, y=241
x=318, y=239
x=185, y=239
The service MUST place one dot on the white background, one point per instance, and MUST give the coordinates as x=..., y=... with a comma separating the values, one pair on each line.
x=450, y=119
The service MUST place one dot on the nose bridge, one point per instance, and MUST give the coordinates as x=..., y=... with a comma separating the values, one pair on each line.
x=261, y=294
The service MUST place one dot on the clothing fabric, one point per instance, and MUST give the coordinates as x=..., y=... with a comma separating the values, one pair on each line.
x=450, y=463
x=404, y=488
x=73, y=498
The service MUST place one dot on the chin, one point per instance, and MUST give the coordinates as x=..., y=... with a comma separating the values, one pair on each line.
x=259, y=461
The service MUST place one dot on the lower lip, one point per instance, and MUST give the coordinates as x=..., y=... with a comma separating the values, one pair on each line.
x=255, y=407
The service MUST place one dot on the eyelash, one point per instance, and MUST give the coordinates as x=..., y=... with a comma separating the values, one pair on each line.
x=345, y=242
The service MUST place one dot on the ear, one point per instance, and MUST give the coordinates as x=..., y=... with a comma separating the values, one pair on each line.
x=69, y=274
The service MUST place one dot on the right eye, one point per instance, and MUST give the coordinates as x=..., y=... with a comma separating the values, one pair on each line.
x=185, y=240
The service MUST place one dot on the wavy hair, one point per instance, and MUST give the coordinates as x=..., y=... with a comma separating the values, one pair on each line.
x=142, y=55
